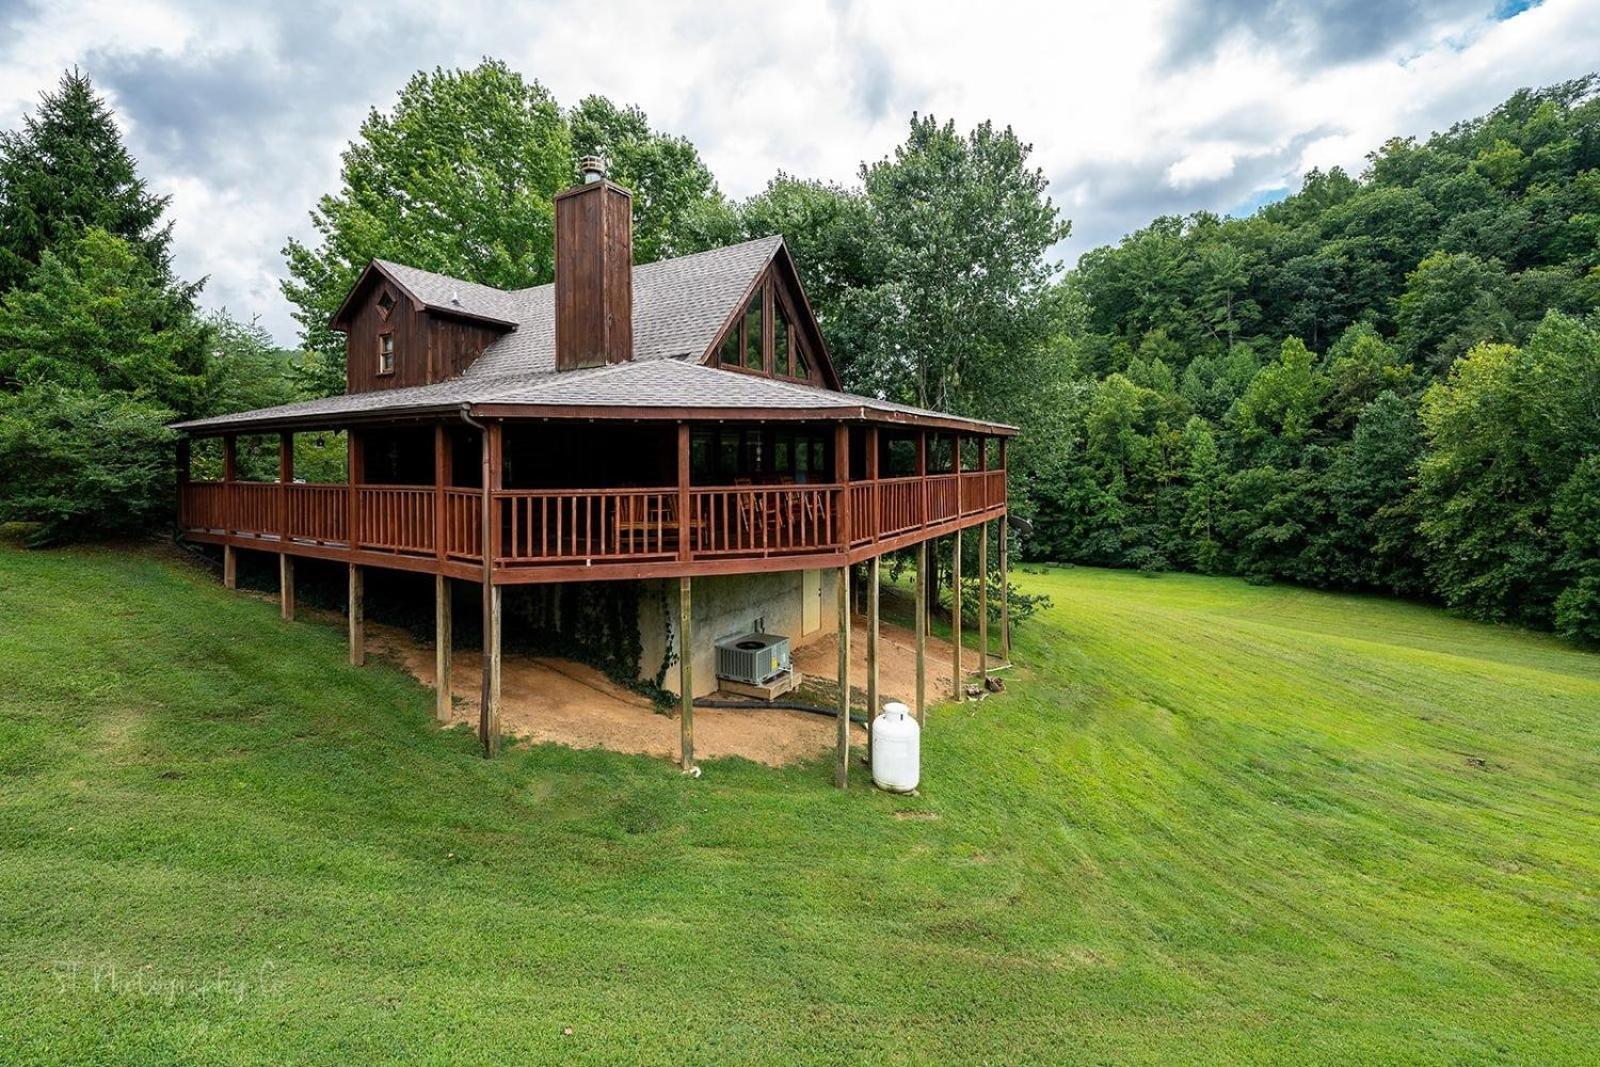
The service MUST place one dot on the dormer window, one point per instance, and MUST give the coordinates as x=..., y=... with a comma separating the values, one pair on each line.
x=386, y=353
x=386, y=304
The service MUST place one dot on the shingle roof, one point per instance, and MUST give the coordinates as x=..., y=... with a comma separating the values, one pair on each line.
x=679, y=306
x=452, y=294
x=661, y=384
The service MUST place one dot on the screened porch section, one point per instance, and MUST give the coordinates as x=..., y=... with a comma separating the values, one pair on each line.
x=567, y=494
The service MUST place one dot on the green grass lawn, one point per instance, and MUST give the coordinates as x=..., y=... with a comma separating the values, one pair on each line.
x=1207, y=822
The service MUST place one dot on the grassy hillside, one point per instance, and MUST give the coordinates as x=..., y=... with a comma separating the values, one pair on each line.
x=1209, y=822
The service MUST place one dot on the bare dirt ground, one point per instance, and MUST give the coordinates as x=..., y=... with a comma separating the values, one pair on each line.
x=549, y=699
x=897, y=661
x=557, y=700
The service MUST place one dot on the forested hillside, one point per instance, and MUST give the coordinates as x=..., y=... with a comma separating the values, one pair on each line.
x=1389, y=381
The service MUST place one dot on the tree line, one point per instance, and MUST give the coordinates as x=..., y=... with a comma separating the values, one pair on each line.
x=1385, y=381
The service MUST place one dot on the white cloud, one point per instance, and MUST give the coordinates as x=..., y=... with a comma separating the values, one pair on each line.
x=1133, y=109
x=1208, y=163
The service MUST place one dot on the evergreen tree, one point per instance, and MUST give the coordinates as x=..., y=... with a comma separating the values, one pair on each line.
x=67, y=170
x=95, y=316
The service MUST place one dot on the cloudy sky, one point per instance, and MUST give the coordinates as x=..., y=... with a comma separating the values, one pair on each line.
x=1134, y=108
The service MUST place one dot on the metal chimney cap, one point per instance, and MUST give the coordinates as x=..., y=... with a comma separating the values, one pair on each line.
x=593, y=169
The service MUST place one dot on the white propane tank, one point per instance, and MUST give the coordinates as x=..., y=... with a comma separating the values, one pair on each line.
x=896, y=749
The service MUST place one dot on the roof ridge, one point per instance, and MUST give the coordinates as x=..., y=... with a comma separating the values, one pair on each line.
x=654, y=263
x=773, y=238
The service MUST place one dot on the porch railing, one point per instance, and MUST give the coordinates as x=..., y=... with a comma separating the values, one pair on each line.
x=541, y=526
x=764, y=520
x=395, y=518
x=319, y=513
x=564, y=526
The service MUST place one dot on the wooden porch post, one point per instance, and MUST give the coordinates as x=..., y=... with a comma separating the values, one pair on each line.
x=841, y=766
x=872, y=649
x=685, y=673
x=920, y=626
x=357, y=616
x=841, y=475
x=955, y=618
x=285, y=561
x=983, y=599
x=875, y=519
x=684, y=500
x=442, y=651
x=922, y=483
x=230, y=555
x=1005, y=588
x=441, y=481
x=489, y=700
x=355, y=472
x=285, y=479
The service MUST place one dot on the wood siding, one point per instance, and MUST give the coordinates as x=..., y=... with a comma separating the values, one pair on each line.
x=454, y=344
x=428, y=347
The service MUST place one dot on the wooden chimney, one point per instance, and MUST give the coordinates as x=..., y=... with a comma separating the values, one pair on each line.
x=594, y=271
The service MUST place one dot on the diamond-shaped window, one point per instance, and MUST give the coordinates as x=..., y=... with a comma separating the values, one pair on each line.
x=386, y=303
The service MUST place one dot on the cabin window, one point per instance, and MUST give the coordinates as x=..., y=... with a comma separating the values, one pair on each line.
x=729, y=352
x=386, y=304
x=752, y=335
x=802, y=369
x=386, y=353
x=780, y=342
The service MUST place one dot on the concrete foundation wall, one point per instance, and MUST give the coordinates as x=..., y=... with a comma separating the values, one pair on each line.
x=725, y=605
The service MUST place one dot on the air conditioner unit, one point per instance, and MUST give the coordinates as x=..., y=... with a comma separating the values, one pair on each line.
x=752, y=658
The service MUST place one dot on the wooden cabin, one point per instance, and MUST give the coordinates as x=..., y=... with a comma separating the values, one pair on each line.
x=677, y=422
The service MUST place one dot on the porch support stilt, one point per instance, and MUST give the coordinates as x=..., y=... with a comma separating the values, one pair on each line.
x=1005, y=598
x=357, y=614
x=230, y=567
x=489, y=701
x=841, y=766
x=920, y=626
x=685, y=674
x=489, y=698
x=957, y=693
x=872, y=649
x=1003, y=526
x=442, y=639
x=286, y=585
x=983, y=600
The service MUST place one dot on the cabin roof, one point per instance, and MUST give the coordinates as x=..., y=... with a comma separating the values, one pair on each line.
x=680, y=308
x=661, y=389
